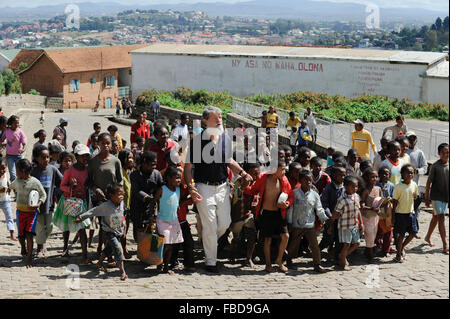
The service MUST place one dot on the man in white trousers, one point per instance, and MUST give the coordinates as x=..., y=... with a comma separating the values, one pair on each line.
x=207, y=161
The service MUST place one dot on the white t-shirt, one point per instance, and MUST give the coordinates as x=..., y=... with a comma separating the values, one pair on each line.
x=4, y=197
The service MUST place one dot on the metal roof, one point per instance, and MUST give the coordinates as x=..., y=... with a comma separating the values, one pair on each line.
x=9, y=54
x=440, y=70
x=410, y=57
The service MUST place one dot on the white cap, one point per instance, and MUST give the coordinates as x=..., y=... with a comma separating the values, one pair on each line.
x=410, y=133
x=81, y=149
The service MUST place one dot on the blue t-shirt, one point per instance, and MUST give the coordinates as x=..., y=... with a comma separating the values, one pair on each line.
x=168, y=204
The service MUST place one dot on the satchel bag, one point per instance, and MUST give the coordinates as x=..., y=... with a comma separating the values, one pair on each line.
x=73, y=206
x=150, y=247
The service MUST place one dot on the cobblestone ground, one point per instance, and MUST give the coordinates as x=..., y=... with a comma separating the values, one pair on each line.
x=425, y=274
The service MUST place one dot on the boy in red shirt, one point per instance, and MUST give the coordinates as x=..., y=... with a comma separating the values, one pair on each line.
x=271, y=212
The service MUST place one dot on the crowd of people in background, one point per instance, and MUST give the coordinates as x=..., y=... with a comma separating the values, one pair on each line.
x=274, y=215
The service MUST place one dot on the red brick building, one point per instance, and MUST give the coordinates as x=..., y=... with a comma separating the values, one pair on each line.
x=80, y=76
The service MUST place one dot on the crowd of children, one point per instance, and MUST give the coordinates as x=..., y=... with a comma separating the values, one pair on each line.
x=104, y=186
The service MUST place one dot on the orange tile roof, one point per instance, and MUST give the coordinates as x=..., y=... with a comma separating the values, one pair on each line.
x=91, y=58
x=95, y=58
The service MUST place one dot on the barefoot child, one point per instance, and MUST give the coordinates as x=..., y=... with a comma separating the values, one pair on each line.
x=242, y=220
x=50, y=178
x=73, y=187
x=385, y=226
x=348, y=214
x=272, y=221
x=169, y=196
x=369, y=214
x=405, y=219
x=112, y=221
x=438, y=196
x=5, y=200
x=27, y=215
x=301, y=218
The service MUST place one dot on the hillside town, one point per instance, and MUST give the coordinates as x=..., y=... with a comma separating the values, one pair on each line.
x=151, y=26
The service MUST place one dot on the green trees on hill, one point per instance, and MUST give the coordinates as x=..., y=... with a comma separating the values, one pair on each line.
x=427, y=38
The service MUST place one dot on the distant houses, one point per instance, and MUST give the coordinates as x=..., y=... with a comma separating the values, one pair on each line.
x=82, y=76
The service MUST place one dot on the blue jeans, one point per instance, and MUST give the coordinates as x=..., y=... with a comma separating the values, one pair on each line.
x=11, y=161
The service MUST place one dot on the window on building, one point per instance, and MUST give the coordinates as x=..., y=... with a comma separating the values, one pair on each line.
x=74, y=85
x=109, y=81
x=93, y=80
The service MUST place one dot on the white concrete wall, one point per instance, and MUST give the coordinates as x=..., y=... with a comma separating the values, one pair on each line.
x=243, y=77
x=3, y=63
x=436, y=90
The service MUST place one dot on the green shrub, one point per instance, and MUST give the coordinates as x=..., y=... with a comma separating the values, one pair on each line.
x=34, y=92
x=369, y=108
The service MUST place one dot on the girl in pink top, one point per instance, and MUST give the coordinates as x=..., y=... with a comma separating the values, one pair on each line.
x=15, y=144
x=73, y=187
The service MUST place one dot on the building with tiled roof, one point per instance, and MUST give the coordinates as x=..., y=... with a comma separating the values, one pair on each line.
x=81, y=76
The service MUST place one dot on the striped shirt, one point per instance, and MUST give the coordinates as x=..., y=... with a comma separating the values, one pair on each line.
x=348, y=208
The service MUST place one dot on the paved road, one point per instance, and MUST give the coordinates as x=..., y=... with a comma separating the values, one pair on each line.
x=424, y=275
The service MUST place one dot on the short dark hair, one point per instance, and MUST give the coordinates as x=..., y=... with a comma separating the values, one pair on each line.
x=341, y=160
x=350, y=179
x=281, y=163
x=53, y=149
x=75, y=143
x=38, y=150
x=364, y=164
x=171, y=171
x=367, y=172
x=294, y=165
x=352, y=151
x=112, y=128
x=96, y=124
x=316, y=161
x=113, y=188
x=248, y=166
x=148, y=157
x=399, y=117
x=123, y=156
x=24, y=165
x=392, y=144
x=65, y=154
x=304, y=173
x=104, y=135
x=336, y=155
x=405, y=167
x=11, y=120
x=184, y=116
x=441, y=147
x=335, y=169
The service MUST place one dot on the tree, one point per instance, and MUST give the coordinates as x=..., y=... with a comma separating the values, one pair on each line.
x=11, y=82
x=445, y=24
x=438, y=24
x=431, y=40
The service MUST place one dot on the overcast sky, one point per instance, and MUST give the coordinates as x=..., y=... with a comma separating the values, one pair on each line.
x=439, y=5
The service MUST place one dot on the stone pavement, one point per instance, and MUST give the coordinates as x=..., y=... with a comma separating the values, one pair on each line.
x=425, y=274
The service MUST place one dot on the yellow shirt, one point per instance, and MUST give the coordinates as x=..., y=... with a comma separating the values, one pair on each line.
x=293, y=123
x=404, y=194
x=361, y=140
x=271, y=118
